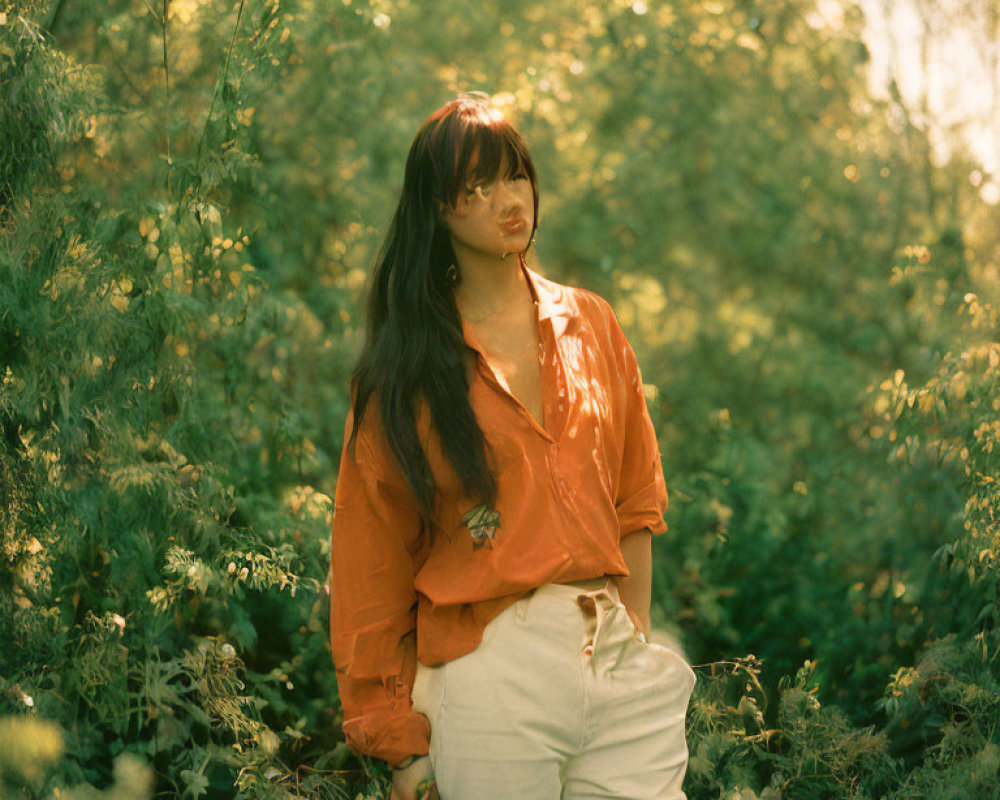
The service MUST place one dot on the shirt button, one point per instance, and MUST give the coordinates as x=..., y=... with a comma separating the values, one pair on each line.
x=588, y=648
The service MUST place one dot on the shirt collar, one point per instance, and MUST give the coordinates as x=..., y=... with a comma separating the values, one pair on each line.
x=553, y=301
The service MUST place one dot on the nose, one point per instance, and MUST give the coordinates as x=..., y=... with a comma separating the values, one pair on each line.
x=509, y=198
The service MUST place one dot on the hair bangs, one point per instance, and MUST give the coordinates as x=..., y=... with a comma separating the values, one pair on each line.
x=480, y=143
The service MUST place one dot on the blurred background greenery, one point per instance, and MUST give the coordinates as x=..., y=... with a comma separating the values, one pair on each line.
x=191, y=195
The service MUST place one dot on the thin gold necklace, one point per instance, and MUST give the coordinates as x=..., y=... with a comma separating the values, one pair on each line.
x=494, y=311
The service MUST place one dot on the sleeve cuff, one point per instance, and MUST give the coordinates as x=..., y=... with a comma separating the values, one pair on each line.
x=655, y=523
x=645, y=509
x=389, y=737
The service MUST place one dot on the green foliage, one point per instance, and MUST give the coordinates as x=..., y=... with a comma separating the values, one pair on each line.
x=814, y=752
x=158, y=512
x=944, y=713
x=188, y=208
x=944, y=716
x=28, y=748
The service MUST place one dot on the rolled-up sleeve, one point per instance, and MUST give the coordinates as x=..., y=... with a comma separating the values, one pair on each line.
x=373, y=608
x=641, y=496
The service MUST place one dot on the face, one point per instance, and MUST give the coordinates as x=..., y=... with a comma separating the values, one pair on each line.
x=494, y=217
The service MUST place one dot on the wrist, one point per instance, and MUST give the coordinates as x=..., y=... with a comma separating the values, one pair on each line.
x=407, y=762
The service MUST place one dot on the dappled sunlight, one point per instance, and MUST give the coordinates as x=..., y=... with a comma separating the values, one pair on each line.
x=746, y=325
x=658, y=313
x=587, y=398
x=808, y=271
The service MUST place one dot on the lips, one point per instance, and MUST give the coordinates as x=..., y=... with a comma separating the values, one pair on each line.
x=513, y=226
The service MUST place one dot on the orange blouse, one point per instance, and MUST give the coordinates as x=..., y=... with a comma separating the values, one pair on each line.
x=569, y=490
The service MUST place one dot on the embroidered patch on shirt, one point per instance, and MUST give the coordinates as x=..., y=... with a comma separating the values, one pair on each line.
x=482, y=523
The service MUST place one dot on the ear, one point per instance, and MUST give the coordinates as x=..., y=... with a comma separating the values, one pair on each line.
x=440, y=215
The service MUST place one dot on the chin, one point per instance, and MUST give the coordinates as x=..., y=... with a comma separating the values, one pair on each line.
x=514, y=244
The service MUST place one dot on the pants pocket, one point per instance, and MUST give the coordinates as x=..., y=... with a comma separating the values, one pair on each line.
x=679, y=662
x=427, y=694
x=671, y=657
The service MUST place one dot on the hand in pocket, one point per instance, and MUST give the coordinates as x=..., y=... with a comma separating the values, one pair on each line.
x=416, y=782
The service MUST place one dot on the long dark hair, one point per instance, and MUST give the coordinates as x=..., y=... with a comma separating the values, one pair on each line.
x=414, y=345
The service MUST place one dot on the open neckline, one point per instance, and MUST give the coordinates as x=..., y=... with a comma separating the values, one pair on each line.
x=497, y=377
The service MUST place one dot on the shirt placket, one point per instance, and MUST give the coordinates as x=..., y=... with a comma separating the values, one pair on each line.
x=553, y=381
x=558, y=399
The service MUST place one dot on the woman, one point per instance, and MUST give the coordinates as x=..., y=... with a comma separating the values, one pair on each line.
x=498, y=490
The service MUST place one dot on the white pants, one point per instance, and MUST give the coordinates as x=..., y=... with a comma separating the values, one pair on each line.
x=562, y=700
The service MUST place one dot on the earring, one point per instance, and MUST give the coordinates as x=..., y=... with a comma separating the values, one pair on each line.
x=452, y=274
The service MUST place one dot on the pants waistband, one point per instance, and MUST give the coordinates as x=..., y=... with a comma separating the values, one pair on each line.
x=573, y=589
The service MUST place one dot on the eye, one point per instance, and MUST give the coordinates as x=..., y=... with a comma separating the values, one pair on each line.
x=482, y=188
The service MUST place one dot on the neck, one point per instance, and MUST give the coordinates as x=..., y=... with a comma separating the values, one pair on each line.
x=489, y=284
